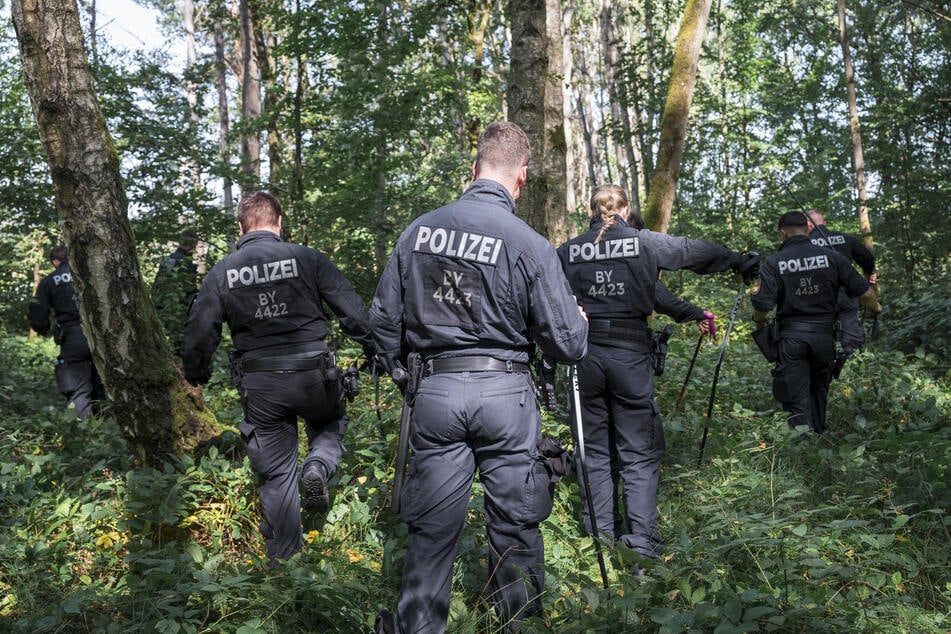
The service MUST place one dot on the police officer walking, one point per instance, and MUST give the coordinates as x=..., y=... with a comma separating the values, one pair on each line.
x=613, y=270
x=469, y=287
x=272, y=295
x=76, y=375
x=174, y=287
x=802, y=281
x=851, y=334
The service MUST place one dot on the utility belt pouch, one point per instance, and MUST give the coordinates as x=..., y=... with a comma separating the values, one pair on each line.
x=350, y=382
x=558, y=460
x=767, y=340
x=659, y=349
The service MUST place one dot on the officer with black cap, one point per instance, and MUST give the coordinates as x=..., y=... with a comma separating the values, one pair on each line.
x=76, y=376
x=469, y=287
x=851, y=334
x=613, y=270
x=272, y=294
x=802, y=281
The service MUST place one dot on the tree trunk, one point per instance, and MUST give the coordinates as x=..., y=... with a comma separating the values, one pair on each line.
x=858, y=157
x=535, y=99
x=156, y=411
x=611, y=58
x=224, y=119
x=673, y=124
x=250, y=102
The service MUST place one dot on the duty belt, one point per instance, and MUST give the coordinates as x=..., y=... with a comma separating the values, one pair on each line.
x=288, y=362
x=472, y=364
x=806, y=327
x=624, y=333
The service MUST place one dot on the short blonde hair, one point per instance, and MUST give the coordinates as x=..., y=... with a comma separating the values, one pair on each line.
x=259, y=209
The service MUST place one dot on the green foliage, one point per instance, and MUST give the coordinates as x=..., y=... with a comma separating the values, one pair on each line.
x=774, y=533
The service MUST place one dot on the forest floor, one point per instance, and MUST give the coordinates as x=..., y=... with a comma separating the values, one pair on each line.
x=774, y=531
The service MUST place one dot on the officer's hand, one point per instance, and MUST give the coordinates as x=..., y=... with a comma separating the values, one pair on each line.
x=873, y=278
x=747, y=265
x=708, y=325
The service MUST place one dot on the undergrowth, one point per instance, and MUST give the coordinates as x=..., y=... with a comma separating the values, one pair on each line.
x=772, y=532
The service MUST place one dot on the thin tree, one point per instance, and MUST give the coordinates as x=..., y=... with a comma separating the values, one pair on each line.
x=535, y=97
x=250, y=100
x=673, y=123
x=858, y=157
x=117, y=315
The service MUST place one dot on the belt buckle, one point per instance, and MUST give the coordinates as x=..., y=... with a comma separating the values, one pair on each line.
x=509, y=366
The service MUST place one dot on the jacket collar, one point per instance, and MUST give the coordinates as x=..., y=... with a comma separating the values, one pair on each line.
x=257, y=235
x=490, y=191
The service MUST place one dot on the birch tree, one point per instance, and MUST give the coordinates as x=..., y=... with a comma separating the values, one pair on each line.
x=156, y=411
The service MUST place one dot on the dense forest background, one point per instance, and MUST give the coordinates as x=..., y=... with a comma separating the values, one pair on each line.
x=361, y=116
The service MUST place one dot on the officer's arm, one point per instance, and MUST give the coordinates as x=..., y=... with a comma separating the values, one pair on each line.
x=863, y=256
x=39, y=310
x=337, y=291
x=669, y=304
x=386, y=315
x=763, y=295
x=858, y=286
x=202, y=332
x=558, y=326
x=700, y=256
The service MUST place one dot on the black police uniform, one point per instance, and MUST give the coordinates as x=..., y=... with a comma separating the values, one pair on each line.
x=802, y=280
x=469, y=286
x=851, y=334
x=76, y=376
x=271, y=293
x=615, y=280
x=174, y=287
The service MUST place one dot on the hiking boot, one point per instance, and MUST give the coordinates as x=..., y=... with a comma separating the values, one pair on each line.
x=316, y=496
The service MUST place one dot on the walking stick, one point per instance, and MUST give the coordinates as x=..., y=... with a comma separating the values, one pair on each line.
x=583, y=468
x=716, y=371
x=683, y=390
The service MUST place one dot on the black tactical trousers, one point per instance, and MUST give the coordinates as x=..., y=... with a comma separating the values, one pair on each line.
x=622, y=427
x=460, y=422
x=801, y=377
x=851, y=331
x=272, y=402
x=76, y=376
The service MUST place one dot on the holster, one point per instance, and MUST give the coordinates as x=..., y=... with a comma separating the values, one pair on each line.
x=659, y=349
x=407, y=379
x=236, y=367
x=545, y=382
x=767, y=340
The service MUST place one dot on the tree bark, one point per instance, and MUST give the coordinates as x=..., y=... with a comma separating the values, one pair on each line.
x=250, y=102
x=535, y=99
x=858, y=157
x=224, y=119
x=673, y=124
x=156, y=411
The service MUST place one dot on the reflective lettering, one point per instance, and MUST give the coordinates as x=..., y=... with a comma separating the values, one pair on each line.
x=463, y=245
x=262, y=273
x=810, y=263
x=607, y=250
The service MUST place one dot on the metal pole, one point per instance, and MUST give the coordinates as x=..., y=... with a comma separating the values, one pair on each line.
x=716, y=372
x=683, y=390
x=583, y=468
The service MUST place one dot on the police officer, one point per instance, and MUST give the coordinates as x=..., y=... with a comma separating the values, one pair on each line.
x=851, y=334
x=174, y=287
x=613, y=270
x=802, y=281
x=469, y=287
x=76, y=376
x=272, y=294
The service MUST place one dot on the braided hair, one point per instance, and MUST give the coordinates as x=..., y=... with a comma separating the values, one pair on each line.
x=608, y=201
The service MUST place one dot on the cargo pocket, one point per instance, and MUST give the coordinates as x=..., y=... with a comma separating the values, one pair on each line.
x=539, y=491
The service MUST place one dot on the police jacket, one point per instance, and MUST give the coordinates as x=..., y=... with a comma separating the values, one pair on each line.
x=673, y=306
x=802, y=281
x=55, y=292
x=271, y=293
x=615, y=279
x=849, y=247
x=472, y=278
